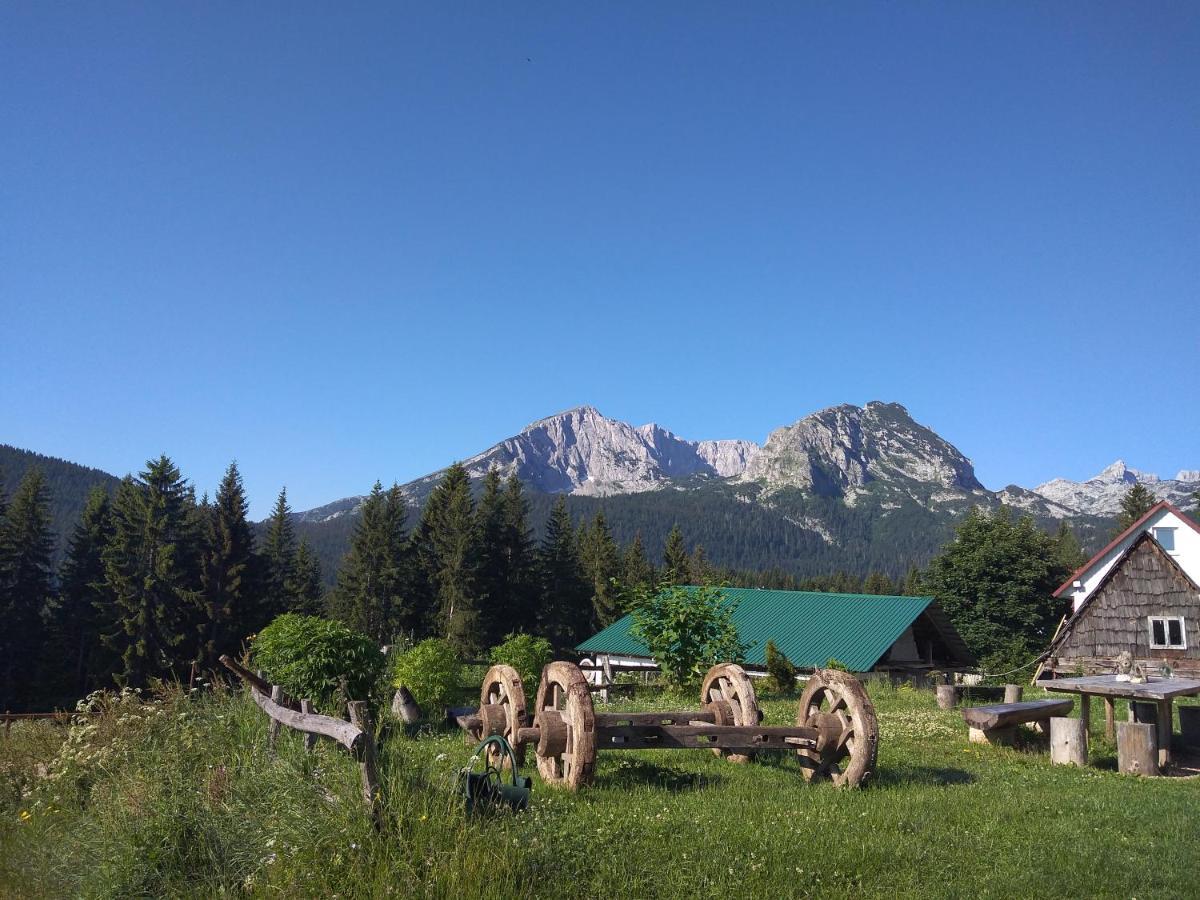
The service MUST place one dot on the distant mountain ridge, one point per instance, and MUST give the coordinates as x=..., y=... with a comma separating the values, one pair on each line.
x=1101, y=494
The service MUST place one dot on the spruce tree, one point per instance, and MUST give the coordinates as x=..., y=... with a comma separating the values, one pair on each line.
x=565, y=607
x=637, y=571
x=152, y=568
x=878, y=583
x=601, y=561
x=230, y=607
x=369, y=594
x=455, y=546
x=26, y=593
x=1070, y=554
x=675, y=559
x=306, y=590
x=85, y=609
x=1135, y=504
x=522, y=564
x=279, y=563
x=912, y=583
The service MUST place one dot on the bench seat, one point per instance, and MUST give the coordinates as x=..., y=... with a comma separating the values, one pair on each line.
x=995, y=723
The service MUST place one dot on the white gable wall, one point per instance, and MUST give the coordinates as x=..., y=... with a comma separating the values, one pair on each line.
x=1186, y=553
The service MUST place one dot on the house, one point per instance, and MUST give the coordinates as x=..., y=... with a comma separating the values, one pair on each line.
x=864, y=632
x=1145, y=602
x=1177, y=533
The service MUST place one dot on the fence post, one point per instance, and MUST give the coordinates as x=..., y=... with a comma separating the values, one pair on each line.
x=360, y=717
x=310, y=740
x=273, y=726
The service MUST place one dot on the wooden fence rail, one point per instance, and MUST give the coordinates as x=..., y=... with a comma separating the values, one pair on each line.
x=356, y=735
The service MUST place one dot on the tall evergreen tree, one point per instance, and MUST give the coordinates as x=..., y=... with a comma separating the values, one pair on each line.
x=85, y=609
x=675, y=559
x=637, y=571
x=1070, y=554
x=279, y=564
x=565, y=606
x=601, y=561
x=700, y=570
x=307, y=590
x=878, y=583
x=230, y=607
x=151, y=567
x=370, y=587
x=505, y=577
x=912, y=583
x=1135, y=504
x=521, y=558
x=26, y=592
x=455, y=545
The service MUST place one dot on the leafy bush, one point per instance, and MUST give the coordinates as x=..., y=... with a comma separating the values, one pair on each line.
x=311, y=658
x=686, y=629
x=525, y=653
x=430, y=671
x=836, y=664
x=780, y=669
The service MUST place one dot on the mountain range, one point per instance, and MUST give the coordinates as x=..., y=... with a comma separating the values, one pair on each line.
x=852, y=488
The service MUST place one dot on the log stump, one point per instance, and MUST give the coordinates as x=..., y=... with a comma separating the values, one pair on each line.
x=1068, y=741
x=947, y=696
x=1189, y=725
x=1012, y=693
x=1137, y=748
x=404, y=706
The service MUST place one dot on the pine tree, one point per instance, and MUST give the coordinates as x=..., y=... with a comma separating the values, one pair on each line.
x=152, y=567
x=85, y=608
x=307, y=590
x=455, y=544
x=1070, y=554
x=912, y=583
x=879, y=584
x=637, y=572
x=492, y=574
x=701, y=571
x=1135, y=504
x=279, y=563
x=565, y=606
x=26, y=592
x=371, y=579
x=521, y=558
x=230, y=607
x=675, y=559
x=601, y=561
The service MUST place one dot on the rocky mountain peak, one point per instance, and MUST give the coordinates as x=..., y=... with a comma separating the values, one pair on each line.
x=1101, y=494
x=839, y=451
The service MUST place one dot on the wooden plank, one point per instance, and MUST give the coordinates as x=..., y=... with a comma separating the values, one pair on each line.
x=1107, y=685
x=704, y=735
x=1165, y=726
x=654, y=718
x=339, y=730
x=1001, y=715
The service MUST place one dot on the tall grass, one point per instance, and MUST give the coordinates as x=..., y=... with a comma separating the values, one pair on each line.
x=177, y=797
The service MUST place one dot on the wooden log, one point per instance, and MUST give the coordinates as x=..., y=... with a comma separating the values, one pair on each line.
x=1002, y=715
x=360, y=717
x=947, y=696
x=273, y=723
x=1165, y=725
x=1085, y=712
x=703, y=735
x=1137, y=748
x=404, y=706
x=1068, y=741
x=310, y=740
x=1110, y=717
x=255, y=681
x=339, y=730
x=1000, y=737
x=654, y=718
x=1189, y=725
x=1012, y=693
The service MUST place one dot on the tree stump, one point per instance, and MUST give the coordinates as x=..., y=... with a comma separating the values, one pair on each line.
x=1137, y=748
x=404, y=706
x=1012, y=693
x=947, y=696
x=1068, y=741
x=1142, y=711
x=1189, y=725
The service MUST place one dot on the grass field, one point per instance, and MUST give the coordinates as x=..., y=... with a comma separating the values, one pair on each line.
x=176, y=797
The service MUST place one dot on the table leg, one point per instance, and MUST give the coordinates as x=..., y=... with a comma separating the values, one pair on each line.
x=1085, y=712
x=1164, y=734
x=1110, y=712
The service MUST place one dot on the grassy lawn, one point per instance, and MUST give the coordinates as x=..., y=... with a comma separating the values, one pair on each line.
x=177, y=798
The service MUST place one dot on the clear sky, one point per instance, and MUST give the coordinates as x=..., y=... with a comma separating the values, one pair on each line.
x=342, y=242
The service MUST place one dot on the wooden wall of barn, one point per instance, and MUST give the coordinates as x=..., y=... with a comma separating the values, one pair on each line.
x=1147, y=582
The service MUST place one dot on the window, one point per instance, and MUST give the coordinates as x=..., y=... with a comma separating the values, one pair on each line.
x=1166, y=633
x=1165, y=538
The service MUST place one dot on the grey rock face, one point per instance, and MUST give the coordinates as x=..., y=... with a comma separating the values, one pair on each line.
x=840, y=450
x=1101, y=495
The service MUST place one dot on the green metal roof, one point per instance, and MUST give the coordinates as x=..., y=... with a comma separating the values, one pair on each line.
x=810, y=628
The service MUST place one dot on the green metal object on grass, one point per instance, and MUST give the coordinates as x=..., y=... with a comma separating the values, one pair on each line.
x=485, y=790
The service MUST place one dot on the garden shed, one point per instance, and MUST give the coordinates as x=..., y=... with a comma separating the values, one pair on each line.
x=864, y=632
x=1146, y=603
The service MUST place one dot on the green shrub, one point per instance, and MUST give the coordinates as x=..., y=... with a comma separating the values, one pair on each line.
x=527, y=654
x=431, y=672
x=780, y=669
x=686, y=629
x=311, y=658
x=836, y=664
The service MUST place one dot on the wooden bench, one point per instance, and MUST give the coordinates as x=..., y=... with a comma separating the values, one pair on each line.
x=996, y=724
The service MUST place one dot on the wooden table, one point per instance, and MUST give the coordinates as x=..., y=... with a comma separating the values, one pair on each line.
x=1160, y=690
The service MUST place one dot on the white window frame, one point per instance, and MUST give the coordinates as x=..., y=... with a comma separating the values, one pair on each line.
x=1150, y=620
x=1169, y=528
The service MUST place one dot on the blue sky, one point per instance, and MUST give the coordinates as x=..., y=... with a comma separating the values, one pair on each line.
x=357, y=242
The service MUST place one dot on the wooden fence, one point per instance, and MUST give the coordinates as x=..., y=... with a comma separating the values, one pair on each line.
x=61, y=716
x=356, y=736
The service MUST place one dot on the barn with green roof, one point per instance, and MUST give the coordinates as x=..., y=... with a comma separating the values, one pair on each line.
x=864, y=632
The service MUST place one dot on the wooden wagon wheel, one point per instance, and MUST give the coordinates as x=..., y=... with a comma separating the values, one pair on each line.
x=502, y=707
x=837, y=705
x=729, y=693
x=566, y=748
